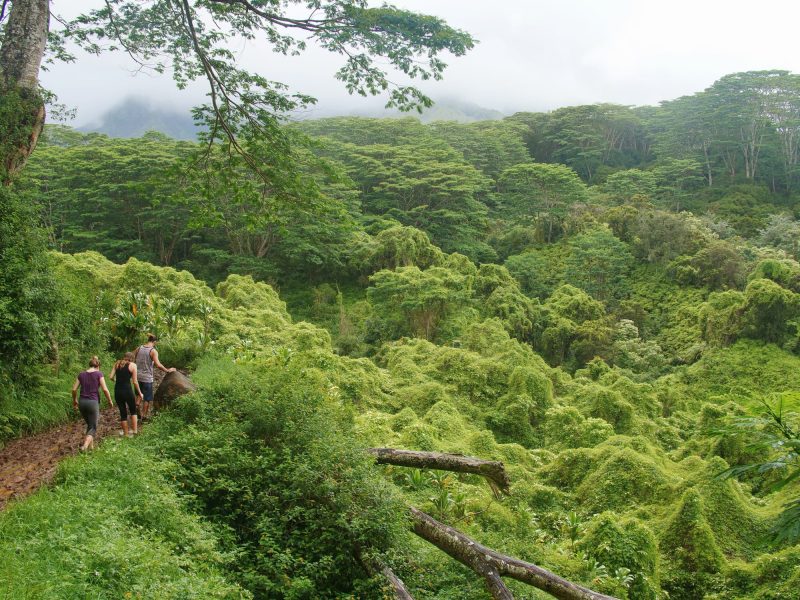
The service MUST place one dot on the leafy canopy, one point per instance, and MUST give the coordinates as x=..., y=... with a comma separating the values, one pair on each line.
x=194, y=39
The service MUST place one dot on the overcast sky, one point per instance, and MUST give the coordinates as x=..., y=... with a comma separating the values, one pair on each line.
x=532, y=55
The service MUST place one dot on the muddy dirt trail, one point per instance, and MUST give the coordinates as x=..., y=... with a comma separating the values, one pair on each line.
x=29, y=462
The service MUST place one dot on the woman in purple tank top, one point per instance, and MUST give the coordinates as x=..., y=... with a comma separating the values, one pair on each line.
x=90, y=382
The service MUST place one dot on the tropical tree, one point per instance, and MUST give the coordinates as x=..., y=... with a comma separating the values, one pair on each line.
x=541, y=193
x=599, y=264
x=429, y=187
x=195, y=39
x=624, y=186
x=490, y=146
x=418, y=300
x=783, y=232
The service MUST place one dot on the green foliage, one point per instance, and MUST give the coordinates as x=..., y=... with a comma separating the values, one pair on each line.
x=537, y=272
x=783, y=232
x=590, y=139
x=29, y=297
x=520, y=414
x=786, y=273
x=625, y=478
x=625, y=186
x=399, y=246
x=418, y=300
x=627, y=545
x=659, y=326
x=689, y=544
x=541, y=194
x=101, y=512
x=769, y=310
x=489, y=146
x=631, y=353
x=659, y=236
x=720, y=265
x=599, y=264
x=267, y=452
x=774, y=433
x=566, y=427
x=425, y=185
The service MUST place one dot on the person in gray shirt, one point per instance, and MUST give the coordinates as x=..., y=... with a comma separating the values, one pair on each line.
x=146, y=360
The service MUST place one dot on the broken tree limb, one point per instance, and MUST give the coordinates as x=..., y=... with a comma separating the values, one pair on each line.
x=493, y=470
x=477, y=557
x=398, y=587
x=375, y=566
x=497, y=589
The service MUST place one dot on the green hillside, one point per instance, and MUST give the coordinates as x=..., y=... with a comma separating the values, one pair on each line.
x=587, y=295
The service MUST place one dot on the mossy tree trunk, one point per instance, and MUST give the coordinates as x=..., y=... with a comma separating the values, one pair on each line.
x=21, y=103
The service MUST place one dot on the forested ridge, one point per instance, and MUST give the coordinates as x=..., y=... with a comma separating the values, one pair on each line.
x=605, y=298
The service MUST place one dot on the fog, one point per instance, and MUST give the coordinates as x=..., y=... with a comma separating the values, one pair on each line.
x=532, y=55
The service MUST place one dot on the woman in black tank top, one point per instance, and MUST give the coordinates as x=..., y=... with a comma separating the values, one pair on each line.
x=123, y=373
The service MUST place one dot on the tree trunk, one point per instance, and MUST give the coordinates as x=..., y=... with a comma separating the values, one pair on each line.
x=21, y=105
x=378, y=568
x=23, y=47
x=398, y=587
x=484, y=560
x=492, y=470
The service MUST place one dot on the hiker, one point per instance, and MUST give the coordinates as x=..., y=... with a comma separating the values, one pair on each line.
x=147, y=357
x=90, y=381
x=122, y=374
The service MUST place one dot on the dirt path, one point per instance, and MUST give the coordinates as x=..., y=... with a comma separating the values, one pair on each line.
x=29, y=462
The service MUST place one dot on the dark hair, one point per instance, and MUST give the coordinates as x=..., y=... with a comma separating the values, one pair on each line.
x=151, y=337
x=94, y=362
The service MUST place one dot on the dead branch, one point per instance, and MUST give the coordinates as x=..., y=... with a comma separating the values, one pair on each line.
x=377, y=567
x=477, y=557
x=493, y=470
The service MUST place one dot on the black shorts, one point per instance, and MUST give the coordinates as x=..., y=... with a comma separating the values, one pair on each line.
x=147, y=390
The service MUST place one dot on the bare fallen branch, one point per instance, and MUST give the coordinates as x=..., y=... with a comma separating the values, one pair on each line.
x=493, y=470
x=399, y=588
x=377, y=567
x=477, y=557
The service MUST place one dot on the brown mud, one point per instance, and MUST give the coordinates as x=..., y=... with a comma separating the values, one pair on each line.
x=29, y=462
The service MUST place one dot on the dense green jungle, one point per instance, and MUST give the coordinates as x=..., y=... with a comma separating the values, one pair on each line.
x=606, y=298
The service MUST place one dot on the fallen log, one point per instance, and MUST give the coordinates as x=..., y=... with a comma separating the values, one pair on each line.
x=398, y=587
x=378, y=567
x=478, y=558
x=493, y=470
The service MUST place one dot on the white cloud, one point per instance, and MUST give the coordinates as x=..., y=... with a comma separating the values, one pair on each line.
x=532, y=55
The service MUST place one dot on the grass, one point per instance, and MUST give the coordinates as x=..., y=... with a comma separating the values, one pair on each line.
x=110, y=527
